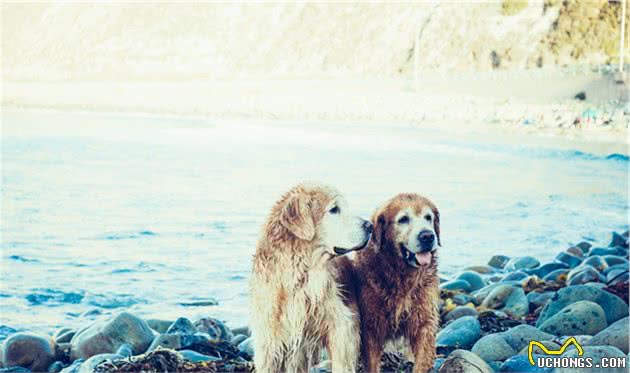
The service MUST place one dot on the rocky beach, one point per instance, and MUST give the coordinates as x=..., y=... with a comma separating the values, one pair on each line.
x=489, y=313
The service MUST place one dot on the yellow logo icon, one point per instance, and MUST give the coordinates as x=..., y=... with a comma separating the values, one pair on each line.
x=560, y=351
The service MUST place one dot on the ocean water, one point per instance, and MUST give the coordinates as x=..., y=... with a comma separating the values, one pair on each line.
x=107, y=212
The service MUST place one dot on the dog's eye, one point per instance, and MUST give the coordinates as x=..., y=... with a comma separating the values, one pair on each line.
x=403, y=220
x=334, y=210
x=427, y=217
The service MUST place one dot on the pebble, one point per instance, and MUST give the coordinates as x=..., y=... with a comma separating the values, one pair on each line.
x=617, y=277
x=29, y=351
x=573, y=250
x=583, y=274
x=596, y=262
x=463, y=361
x=498, y=261
x=242, y=330
x=539, y=299
x=214, y=328
x=522, y=262
x=493, y=347
x=238, y=339
x=182, y=326
x=461, y=311
x=614, y=335
x=460, y=285
x=546, y=268
x=456, y=285
x=125, y=350
x=603, y=251
x=106, y=336
x=515, y=276
x=583, y=317
x=613, y=306
x=484, y=270
x=196, y=357
x=474, y=280
x=246, y=348
x=556, y=275
x=160, y=326
x=55, y=367
x=612, y=260
x=460, y=333
x=172, y=341
x=618, y=240
x=521, y=364
x=584, y=246
x=509, y=299
x=596, y=353
x=571, y=260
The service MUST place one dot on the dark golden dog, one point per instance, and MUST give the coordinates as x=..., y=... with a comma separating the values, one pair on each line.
x=396, y=283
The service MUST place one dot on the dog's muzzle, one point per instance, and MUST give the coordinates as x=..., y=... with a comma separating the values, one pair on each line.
x=367, y=228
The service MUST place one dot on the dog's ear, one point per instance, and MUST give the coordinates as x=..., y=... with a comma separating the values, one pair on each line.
x=380, y=228
x=436, y=224
x=297, y=217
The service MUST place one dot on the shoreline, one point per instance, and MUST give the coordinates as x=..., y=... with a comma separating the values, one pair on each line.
x=511, y=104
x=487, y=315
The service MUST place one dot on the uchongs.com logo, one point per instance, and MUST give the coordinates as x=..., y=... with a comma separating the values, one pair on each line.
x=554, y=358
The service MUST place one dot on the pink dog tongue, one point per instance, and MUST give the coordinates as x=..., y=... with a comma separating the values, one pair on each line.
x=423, y=258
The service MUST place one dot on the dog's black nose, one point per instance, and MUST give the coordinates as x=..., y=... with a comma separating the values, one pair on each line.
x=367, y=226
x=426, y=238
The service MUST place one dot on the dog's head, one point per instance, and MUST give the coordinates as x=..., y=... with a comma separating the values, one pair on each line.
x=408, y=227
x=319, y=214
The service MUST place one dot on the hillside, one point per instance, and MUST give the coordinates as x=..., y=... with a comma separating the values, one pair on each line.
x=164, y=41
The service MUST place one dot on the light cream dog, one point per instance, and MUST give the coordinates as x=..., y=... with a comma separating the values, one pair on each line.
x=297, y=306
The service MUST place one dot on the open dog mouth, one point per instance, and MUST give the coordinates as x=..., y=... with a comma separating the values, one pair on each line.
x=416, y=260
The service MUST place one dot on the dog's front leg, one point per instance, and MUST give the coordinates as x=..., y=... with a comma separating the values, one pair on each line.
x=343, y=346
x=423, y=348
x=371, y=352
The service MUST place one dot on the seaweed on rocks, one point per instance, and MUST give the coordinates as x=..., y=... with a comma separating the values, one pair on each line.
x=491, y=322
x=166, y=360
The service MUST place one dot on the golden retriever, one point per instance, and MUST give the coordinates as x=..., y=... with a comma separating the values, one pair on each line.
x=296, y=303
x=396, y=281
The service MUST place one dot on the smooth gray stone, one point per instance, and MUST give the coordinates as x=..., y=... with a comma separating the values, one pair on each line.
x=523, y=262
x=106, y=336
x=498, y=261
x=583, y=317
x=473, y=278
x=613, y=306
x=462, y=361
x=461, y=333
x=29, y=351
x=493, y=347
x=614, y=335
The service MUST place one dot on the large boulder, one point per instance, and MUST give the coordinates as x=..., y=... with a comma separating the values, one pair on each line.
x=107, y=336
x=614, y=307
x=615, y=335
x=463, y=361
x=461, y=333
x=28, y=351
x=583, y=317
